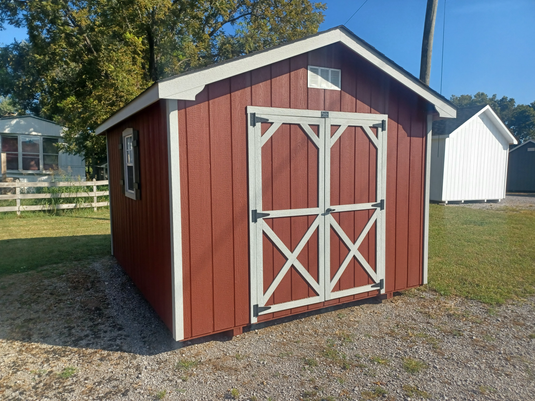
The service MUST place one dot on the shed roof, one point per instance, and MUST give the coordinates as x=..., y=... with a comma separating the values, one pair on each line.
x=447, y=127
x=186, y=86
x=522, y=144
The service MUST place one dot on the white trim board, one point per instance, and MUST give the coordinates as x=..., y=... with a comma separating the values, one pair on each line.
x=427, y=196
x=175, y=219
x=188, y=85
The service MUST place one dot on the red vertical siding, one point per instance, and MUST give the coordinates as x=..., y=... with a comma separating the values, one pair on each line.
x=213, y=157
x=141, y=228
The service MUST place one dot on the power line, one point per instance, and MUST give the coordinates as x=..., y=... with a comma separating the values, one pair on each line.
x=443, y=37
x=355, y=12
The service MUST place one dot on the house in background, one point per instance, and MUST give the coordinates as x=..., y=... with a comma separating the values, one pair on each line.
x=280, y=182
x=469, y=156
x=29, y=152
x=521, y=173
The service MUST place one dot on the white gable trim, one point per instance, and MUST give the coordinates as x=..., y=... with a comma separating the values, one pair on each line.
x=187, y=86
x=499, y=123
x=524, y=143
x=502, y=129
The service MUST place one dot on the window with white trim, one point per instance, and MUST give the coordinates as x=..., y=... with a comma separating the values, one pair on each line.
x=130, y=161
x=30, y=153
x=324, y=78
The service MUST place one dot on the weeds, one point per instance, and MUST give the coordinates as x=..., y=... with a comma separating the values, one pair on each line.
x=413, y=391
x=311, y=362
x=161, y=394
x=413, y=366
x=186, y=364
x=374, y=394
x=67, y=372
x=485, y=389
x=330, y=352
x=379, y=360
x=234, y=393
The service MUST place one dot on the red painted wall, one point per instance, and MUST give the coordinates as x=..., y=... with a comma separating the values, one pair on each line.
x=213, y=164
x=141, y=228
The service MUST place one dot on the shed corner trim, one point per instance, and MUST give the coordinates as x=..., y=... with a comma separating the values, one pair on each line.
x=175, y=219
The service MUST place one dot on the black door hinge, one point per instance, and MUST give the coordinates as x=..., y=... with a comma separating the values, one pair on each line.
x=383, y=125
x=380, y=285
x=380, y=204
x=259, y=309
x=255, y=119
x=324, y=114
x=255, y=215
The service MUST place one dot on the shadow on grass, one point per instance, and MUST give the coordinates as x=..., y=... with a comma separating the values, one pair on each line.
x=23, y=255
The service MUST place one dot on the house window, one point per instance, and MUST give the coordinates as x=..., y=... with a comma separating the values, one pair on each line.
x=30, y=153
x=324, y=78
x=10, y=146
x=50, y=154
x=130, y=161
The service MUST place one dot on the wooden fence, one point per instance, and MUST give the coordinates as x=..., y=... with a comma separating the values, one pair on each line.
x=18, y=196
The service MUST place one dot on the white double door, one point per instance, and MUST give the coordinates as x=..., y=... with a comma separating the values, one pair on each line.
x=300, y=162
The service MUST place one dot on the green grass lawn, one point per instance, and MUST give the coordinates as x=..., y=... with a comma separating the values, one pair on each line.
x=488, y=255
x=40, y=239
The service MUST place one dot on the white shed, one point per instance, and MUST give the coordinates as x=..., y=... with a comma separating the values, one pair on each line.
x=29, y=152
x=469, y=157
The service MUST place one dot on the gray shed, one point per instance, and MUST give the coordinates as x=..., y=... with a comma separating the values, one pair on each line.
x=521, y=172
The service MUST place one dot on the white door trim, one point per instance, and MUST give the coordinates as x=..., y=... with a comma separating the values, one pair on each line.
x=324, y=220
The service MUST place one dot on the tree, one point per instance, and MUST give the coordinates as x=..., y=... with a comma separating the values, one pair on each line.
x=85, y=59
x=7, y=106
x=502, y=107
x=522, y=122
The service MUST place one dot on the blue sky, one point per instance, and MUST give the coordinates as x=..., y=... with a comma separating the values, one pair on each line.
x=489, y=44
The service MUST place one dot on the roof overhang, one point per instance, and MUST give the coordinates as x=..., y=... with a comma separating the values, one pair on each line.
x=187, y=86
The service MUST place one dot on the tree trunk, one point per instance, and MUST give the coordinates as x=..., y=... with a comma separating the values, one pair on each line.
x=427, y=42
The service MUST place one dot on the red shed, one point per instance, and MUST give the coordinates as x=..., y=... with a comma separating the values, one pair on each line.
x=276, y=183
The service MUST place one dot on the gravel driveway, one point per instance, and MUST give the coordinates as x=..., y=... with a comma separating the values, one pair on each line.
x=86, y=334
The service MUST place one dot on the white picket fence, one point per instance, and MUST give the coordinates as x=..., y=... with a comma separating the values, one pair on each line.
x=18, y=196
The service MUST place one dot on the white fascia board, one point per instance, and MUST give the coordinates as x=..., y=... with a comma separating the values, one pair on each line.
x=522, y=144
x=185, y=85
x=145, y=99
x=499, y=123
x=443, y=108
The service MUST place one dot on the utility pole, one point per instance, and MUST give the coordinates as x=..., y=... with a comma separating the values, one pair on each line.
x=427, y=42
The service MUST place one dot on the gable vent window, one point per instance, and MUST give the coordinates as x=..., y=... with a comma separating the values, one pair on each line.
x=324, y=78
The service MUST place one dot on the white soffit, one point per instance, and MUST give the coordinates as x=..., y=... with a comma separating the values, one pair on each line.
x=188, y=85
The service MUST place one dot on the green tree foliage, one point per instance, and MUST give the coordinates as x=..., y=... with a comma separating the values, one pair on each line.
x=7, y=106
x=85, y=59
x=520, y=119
x=522, y=122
